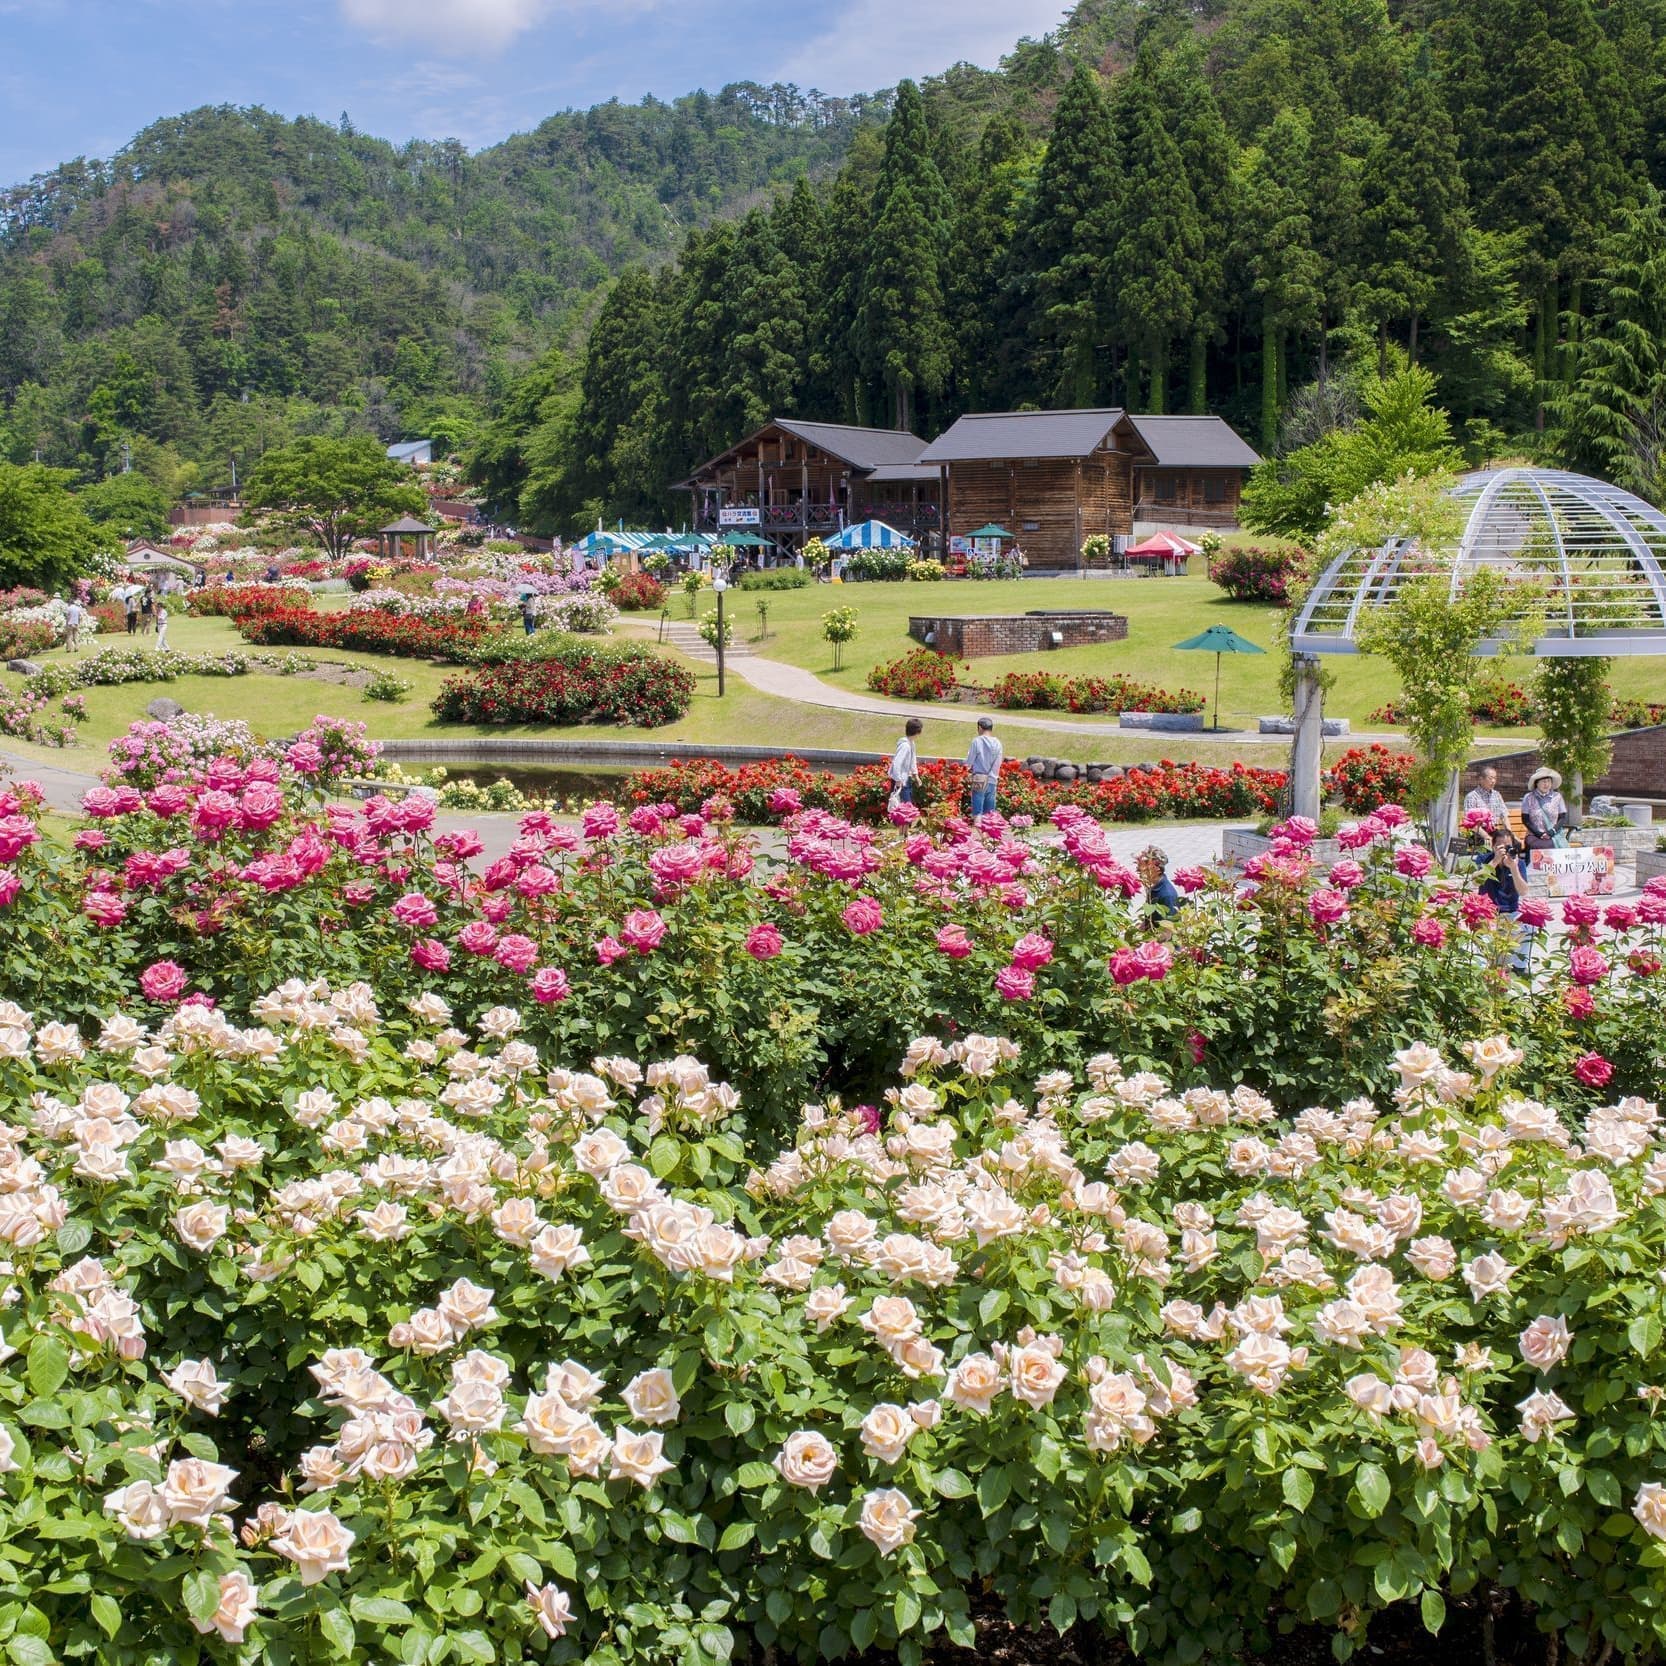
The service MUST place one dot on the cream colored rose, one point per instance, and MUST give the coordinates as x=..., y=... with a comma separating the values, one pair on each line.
x=891, y=1320
x=385, y=1224
x=1488, y=1275
x=316, y=1542
x=141, y=1510
x=202, y=1225
x=975, y=1383
x=473, y=1407
x=1433, y=1257
x=427, y=1331
x=550, y=1607
x=588, y=1450
x=1545, y=1342
x=239, y=1599
x=888, y=1520
x=467, y=1306
x=1034, y=1374
x=825, y=1305
x=807, y=1460
x=557, y=1250
x=321, y=1468
x=652, y=1398
x=849, y=1233
x=516, y=1221
x=886, y=1432
x=1650, y=1508
x=917, y=1358
x=636, y=1457
x=194, y=1381
x=194, y=1490
x=599, y=1152
x=549, y=1423
x=579, y=1386
x=630, y=1187
x=716, y=1251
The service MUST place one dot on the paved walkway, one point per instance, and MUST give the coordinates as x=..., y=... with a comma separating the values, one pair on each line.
x=793, y=682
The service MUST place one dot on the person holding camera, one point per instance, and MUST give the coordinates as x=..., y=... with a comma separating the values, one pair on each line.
x=1504, y=880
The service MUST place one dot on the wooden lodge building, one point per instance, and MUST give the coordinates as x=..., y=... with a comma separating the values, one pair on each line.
x=792, y=481
x=1054, y=478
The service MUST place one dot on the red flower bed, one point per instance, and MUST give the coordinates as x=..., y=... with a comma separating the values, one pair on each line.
x=1047, y=691
x=369, y=633
x=240, y=601
x=1366, y=776
x=21, y=638
x=921, y=674
x=581, y=684
x=1637, y=714
x=638, y=593
x=773, y=790
x=1254, y=573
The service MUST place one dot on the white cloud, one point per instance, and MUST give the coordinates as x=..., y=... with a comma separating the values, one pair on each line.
x=471, y=26
x=876, y=43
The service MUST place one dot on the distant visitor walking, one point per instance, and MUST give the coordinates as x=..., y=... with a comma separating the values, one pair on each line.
x=73, y=615
x=983, y=763
x=133, y=613
x=529, y=622
x=161, y=628
x=147, y=612
x=905, y=766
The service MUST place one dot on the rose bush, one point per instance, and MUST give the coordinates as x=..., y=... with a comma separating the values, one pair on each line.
x=345, y=1333
x=1046, y=691
x=573, y=682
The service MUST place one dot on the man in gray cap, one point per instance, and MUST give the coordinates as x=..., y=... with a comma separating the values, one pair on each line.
x=983, y=762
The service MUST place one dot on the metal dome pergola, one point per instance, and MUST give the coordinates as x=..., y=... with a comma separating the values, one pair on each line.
x=1587, y=555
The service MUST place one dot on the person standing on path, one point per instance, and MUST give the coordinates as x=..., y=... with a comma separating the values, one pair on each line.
x=529, y=621
x=1544, y=811
x=73, y=615
x=161, y=628
x=147, y=611
x=133, y=613
x=905, y=765
x=983, y=763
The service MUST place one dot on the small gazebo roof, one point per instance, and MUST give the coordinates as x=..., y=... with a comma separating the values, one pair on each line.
x=407, y=523
x=1587, y=558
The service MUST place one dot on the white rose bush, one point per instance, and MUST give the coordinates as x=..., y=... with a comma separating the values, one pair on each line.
x=629, y=1250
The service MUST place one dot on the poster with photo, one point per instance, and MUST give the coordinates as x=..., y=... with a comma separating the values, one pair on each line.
x=1581, y=872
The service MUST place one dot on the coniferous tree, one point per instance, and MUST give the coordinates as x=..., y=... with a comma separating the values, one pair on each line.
x=980, y=289
x=836, y=381
x=1065, y=240
x=1414, y=215
x=1194, y=117
x=768, y=350
x=1158, y=237
x=902, y=328
x=1276, y=233
x=1612, y=420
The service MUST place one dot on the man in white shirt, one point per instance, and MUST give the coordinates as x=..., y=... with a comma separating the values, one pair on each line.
x=983, y=763
x=905, y=766
x=1487, y=797
x=73, y=615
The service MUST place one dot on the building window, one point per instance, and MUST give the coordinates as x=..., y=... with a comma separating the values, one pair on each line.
x=1214, y=489
x=1165, y=486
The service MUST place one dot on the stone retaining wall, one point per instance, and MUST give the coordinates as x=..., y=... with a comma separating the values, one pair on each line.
x=1638, y=769
x=979, y=635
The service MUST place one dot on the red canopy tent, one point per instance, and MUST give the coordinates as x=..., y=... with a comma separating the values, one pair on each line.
x=1168, y=547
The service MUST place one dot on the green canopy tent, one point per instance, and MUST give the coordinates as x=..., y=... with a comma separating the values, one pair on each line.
x=1218, y=640
x=744, y=541
x=991, y=531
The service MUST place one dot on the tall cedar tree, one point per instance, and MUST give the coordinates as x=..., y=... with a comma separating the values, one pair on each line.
x=838, y=391
x=1064, y=242
x=1612, y=420
x=902, y=327
x=1158, y=237
x=981, y=291
x=1276, y=233
x=768, y=350
x=1206, y=150
x=1414, y=216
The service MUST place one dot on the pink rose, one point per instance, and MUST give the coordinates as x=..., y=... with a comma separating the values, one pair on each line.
x=763, y=942
x=610, y=949
x=643, y=930
x=600, y=821
x=1579, y=1003
x=863, y=916
x=477, y=937
x=415, y=910
x=430, y=955
x=1032, y=950
x=1579, y=911
x=1586, y=966
x=1476, y=910
x=1413, y=861
x=953, y=941
x=1429, y=932
x=549, y=985
x=1155, y=960
x=1534, y=911
x=1593, y=1070
x=1015, y=983
x=1346, y=875
x=516, y=953
x=1125, y=967
x=785, y=801
x=1326, y=907
x=163, y=981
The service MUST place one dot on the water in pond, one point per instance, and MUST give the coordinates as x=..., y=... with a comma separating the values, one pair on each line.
x=570, y=785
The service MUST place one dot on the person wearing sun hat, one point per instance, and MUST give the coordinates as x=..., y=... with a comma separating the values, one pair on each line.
x=1544, y=811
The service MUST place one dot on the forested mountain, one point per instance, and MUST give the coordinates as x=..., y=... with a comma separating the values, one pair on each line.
x=1232, y=205
x=232, y=276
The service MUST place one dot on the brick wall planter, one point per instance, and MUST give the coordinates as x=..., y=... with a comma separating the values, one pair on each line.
x=980, y=635
x=1179, y=723
x=1239, y=844
x=1651, y=864
x=1623, y=841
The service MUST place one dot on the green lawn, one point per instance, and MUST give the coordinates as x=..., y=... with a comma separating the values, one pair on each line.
x=1161, y=612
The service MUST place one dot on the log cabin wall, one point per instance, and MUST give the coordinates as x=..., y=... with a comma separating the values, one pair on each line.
x=1188, y=497
x=1051, y=504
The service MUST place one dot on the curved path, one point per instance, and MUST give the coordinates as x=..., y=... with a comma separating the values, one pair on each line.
x=793, y=682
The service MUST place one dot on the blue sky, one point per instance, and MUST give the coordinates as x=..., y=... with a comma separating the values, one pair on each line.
x=80, y=77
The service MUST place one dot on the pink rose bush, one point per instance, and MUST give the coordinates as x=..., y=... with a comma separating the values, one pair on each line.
x=497, y=1333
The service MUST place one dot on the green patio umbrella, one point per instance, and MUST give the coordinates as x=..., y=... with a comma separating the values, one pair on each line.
x=743, y=541
x=1218, y=640
x=990, y=531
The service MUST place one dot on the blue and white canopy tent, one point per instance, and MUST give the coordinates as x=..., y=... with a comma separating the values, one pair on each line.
x=870, y=535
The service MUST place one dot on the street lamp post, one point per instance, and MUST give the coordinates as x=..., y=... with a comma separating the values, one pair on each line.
x=720, y=583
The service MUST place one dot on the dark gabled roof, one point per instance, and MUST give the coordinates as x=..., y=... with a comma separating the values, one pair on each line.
x=1173, y=441
x=406, y=524
x=862, y=448
x=905, y=472
x=993, y=435
x=1199, y=442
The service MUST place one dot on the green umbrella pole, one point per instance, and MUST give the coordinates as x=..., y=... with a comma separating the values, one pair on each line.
x=1217, y=694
